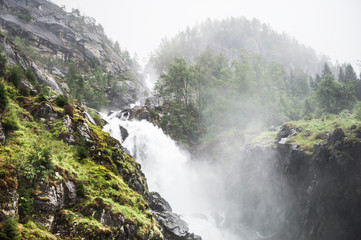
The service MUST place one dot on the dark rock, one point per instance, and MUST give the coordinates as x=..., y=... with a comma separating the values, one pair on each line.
x=336, y=136
x=173, y=225
x=157, y=203
x=353, y=127
x=285, y=133
x=124, y=133
x=45, y=111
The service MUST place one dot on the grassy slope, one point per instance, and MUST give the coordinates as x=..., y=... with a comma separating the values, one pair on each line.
x=98, y=181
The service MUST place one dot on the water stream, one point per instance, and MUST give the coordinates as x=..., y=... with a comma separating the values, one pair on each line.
x=187, y=185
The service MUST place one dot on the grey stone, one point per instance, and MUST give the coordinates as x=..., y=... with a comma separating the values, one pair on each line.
x=2, y=135
x=83, y=130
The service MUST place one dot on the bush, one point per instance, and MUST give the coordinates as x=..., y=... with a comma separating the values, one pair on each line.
x=24, y=91
x=80, y=190
x=82, y=152
x=25, y=201
x=10, y=231
x=41, y=97
x=30, y=75
x=10, y=122
x=61, y=100
x=3, y=62
x=15, y=74
x=4, y=99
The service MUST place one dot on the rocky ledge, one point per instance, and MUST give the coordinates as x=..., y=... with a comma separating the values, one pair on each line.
x=325, y=185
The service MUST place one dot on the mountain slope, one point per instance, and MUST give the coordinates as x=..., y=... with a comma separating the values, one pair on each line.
x=57, y=41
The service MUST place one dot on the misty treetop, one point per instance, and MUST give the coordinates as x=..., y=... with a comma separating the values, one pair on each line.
x=231, y=35
x=249, y=91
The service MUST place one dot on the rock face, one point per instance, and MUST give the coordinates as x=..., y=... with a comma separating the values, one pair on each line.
x=15, y=56
x=325, y=188
x=172, y=226
x=54, y=31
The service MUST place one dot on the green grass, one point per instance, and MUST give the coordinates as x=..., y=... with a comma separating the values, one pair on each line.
x=98, y=181
x=33, y=231
x=313, y=129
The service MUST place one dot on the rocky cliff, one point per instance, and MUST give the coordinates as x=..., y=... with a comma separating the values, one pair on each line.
x=62, y=177
x=57, y=33
x=325, y=184
x=55, y=39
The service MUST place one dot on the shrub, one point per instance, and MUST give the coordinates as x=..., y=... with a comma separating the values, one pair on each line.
x=4, y=99
x=10, y=122
x=25, y=201
x=80, y=190
x=15, y=74
x=10, y=231
x=3, y=62
x=61, y=100
x=82, y=152
x=41, y=97
x=24, y=91
x=30, y=75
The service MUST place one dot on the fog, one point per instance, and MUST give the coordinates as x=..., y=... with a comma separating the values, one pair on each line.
x=240, y=196
x=330, y=27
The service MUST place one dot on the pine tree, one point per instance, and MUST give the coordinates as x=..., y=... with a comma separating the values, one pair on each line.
x=326, y=71
x=350, y=75
x=341, y=75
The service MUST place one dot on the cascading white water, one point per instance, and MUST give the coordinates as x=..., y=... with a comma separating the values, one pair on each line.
x=186, y=184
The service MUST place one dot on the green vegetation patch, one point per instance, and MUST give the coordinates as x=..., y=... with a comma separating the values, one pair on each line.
x=317, y=130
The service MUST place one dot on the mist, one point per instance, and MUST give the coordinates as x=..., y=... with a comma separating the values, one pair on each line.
x=240, y=196
x=139, y=26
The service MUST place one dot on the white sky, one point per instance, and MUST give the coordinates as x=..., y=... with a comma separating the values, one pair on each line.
x=331, y=27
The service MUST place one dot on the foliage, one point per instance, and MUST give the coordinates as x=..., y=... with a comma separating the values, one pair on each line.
x=333, y=97
x=181, y=123
x=9, y=231
x=230, y=35
x=38, y=163
x=25, y=199
x=14, y=75
x=61, y=100
x=10, y=121
x=30, y=75
x=3, y=63
x=41, y=97
x=4, y=99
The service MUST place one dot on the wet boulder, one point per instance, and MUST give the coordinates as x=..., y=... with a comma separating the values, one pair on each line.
x=123, y=132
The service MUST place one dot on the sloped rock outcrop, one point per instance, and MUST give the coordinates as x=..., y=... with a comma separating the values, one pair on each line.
x=325, y=188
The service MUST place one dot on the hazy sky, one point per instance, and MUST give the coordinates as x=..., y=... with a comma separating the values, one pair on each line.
x=329, y=26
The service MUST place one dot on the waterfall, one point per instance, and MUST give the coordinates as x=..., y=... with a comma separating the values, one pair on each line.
x=186, y=185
